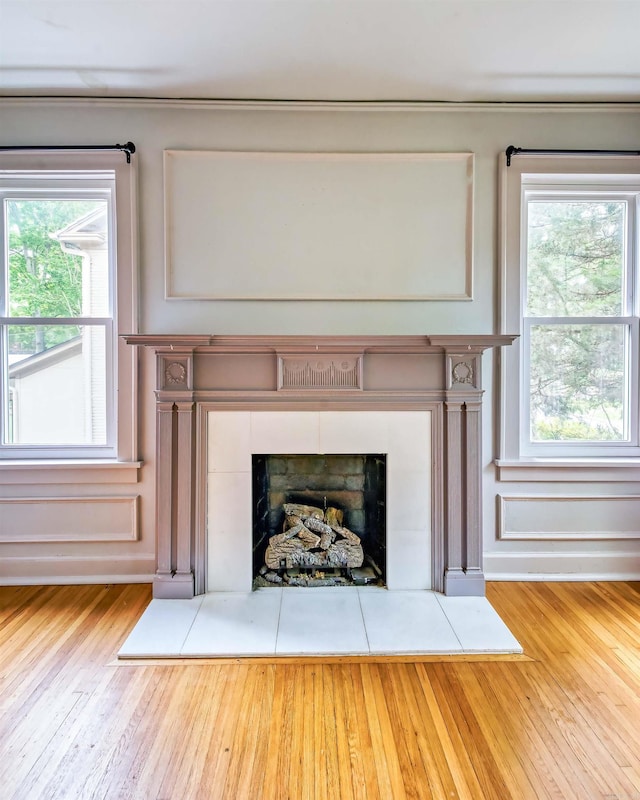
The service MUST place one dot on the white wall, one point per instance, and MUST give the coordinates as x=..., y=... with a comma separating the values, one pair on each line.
x=486, y=132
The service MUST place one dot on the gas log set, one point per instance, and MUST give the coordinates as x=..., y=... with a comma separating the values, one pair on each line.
x=314, y=549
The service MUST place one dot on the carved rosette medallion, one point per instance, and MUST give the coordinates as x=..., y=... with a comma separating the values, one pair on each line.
x=462, y=372
x=175, y=373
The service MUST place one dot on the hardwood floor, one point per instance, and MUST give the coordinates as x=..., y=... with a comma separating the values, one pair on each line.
x=563, y=721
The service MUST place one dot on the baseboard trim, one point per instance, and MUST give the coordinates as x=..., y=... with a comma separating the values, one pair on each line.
x=60, y=570
x=600, y=566
x=558, y=577
x=73, y=580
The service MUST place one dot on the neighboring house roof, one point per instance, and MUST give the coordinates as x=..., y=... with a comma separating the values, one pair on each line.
x=88, y=232
x=46, y=358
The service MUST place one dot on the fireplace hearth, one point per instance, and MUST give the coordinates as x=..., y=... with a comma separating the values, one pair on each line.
x=221, y=400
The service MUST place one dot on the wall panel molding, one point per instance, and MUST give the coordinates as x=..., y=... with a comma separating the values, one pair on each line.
x=528, y=517
x=68, y=519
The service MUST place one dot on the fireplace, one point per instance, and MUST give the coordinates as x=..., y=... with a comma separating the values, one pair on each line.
x=319, y=520
x=222, y=401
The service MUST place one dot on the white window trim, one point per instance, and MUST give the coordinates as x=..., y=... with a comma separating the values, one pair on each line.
x=43, y=164
x=581, y=173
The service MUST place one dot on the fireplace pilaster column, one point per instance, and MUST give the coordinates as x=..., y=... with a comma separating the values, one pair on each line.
x=473, y=481
x=175, y=484
x=164, y=482
x=184, y=492
x=463, y=573
x=454, y=496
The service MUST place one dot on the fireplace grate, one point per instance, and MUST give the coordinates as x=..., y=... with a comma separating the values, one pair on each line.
x=367, y=575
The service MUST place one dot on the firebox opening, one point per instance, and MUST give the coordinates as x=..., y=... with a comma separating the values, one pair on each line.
x=319, y=520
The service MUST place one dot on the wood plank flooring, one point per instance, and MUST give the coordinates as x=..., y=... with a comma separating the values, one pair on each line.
x=562, y=722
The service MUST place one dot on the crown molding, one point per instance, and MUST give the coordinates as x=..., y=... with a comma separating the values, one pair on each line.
x=319, y=105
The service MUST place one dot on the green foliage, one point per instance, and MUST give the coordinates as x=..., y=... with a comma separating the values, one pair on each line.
x=578, y=376
x=575, y=258
x=44, y=281
x=557, y=429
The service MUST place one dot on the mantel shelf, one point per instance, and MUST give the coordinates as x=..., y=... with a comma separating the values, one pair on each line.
x=319, y=344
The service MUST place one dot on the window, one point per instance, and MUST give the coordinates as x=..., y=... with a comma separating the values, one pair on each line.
x=570, y=289
x=66, y=292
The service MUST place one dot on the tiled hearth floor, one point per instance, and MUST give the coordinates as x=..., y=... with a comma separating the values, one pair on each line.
x=320, y=621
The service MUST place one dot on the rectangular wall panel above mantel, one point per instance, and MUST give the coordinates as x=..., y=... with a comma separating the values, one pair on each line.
x=318, y=226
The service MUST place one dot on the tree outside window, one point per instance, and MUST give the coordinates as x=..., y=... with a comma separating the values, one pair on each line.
x=576, y=277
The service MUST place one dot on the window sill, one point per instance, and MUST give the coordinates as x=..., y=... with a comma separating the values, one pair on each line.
x=569, y=469
x=51, y=471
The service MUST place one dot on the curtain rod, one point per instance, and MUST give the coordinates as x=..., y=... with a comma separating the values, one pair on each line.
x=127, y=148
x=516, y=151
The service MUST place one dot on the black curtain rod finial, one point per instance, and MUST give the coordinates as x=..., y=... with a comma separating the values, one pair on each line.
x=127, y=148
x=510, y=151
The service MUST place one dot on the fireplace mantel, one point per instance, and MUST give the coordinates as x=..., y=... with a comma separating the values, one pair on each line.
x=200, y=373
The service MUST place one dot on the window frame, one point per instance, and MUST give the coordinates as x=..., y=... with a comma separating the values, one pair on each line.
x=59, y=173
x=560, y=176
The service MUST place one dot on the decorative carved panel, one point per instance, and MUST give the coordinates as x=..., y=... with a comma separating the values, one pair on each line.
x=325, y=373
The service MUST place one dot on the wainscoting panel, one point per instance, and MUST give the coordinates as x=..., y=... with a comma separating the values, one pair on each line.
x=68, y=519
x=568, y=517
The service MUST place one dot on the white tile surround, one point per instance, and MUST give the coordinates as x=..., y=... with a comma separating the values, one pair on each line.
x=318, y=622
x=233, y=436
